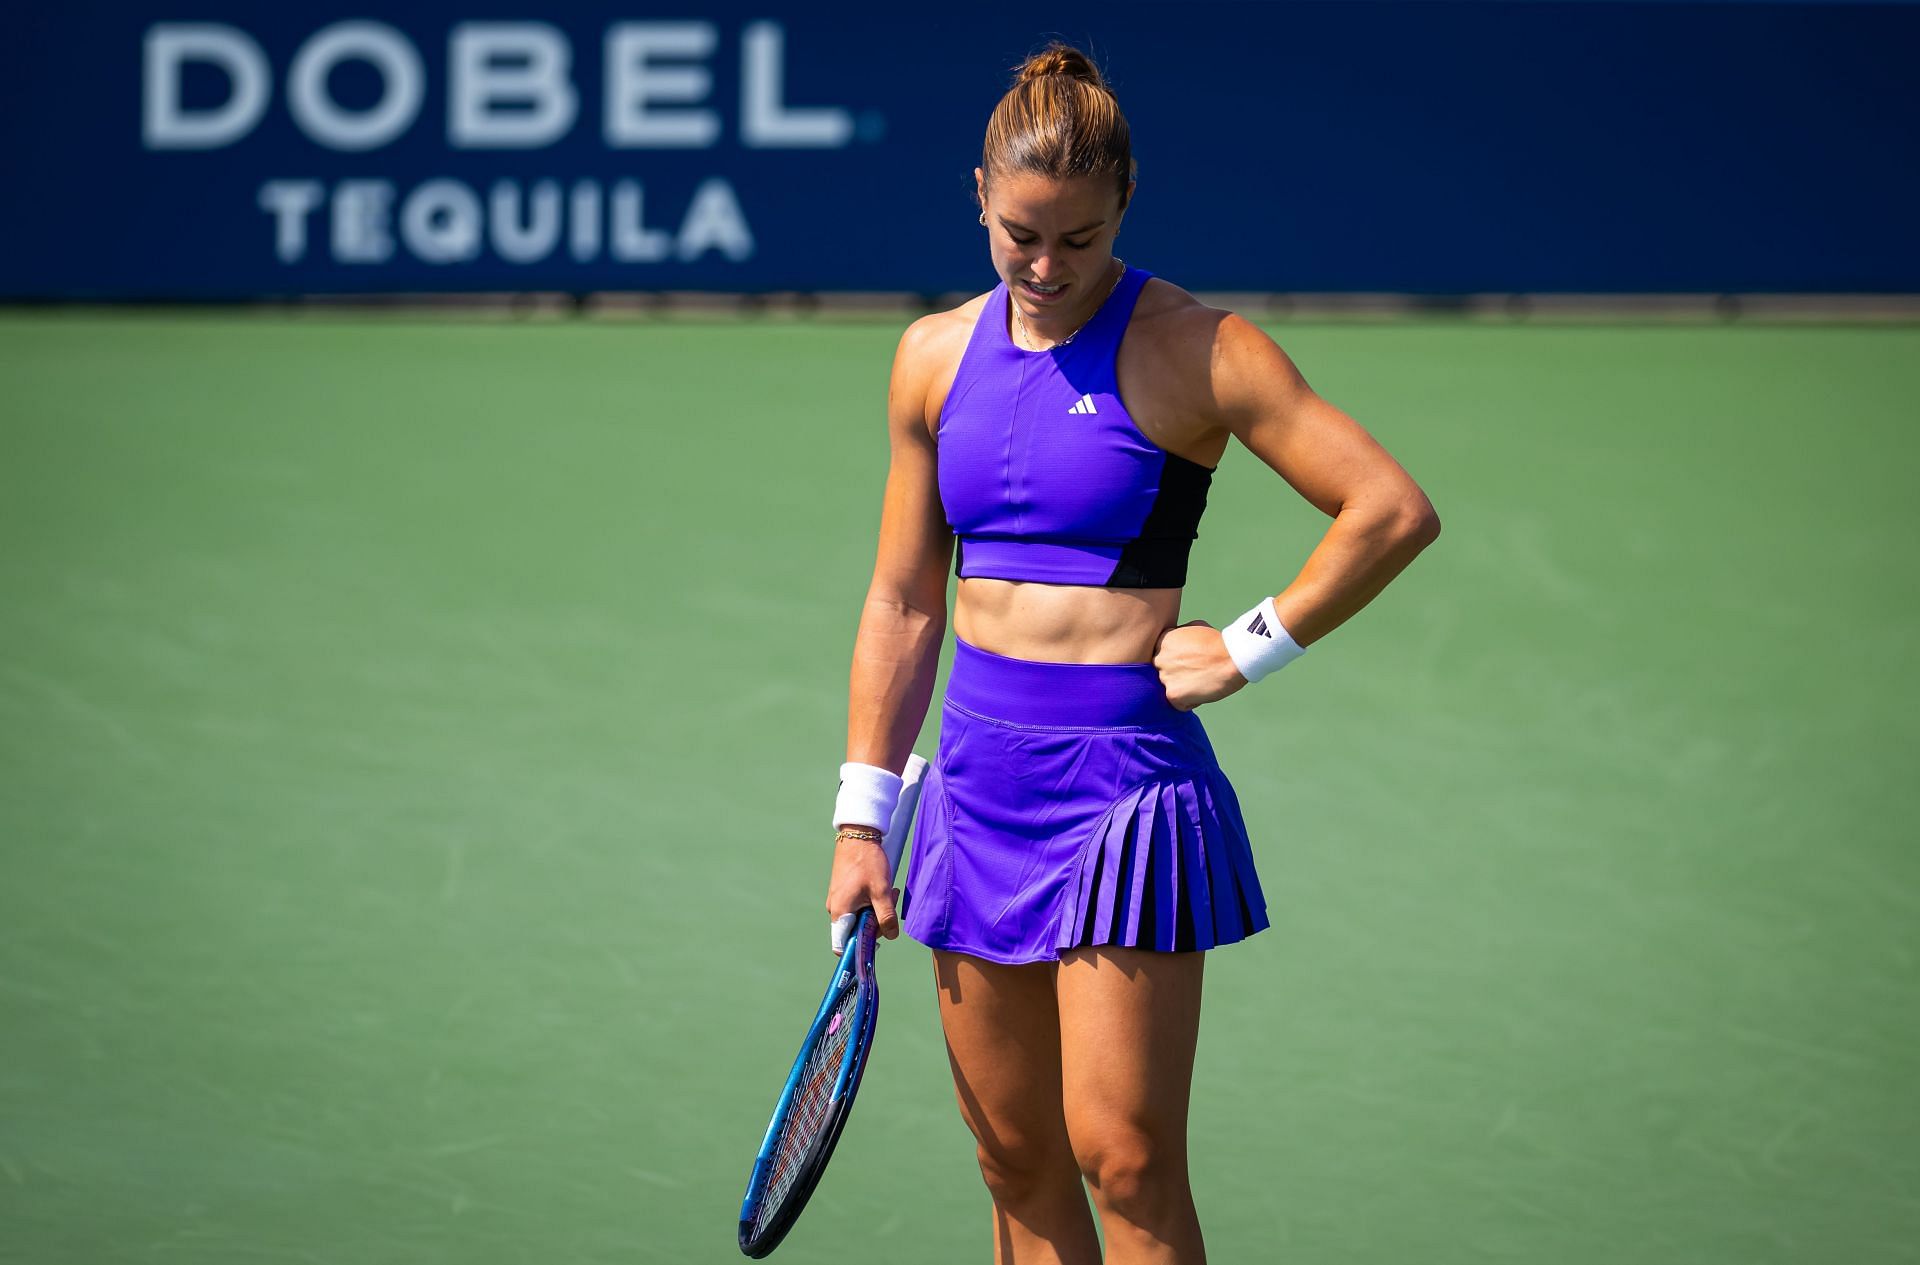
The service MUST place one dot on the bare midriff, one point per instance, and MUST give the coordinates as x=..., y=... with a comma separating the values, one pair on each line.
x=1063, y=623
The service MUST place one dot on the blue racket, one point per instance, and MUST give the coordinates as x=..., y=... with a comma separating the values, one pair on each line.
x=819, y=1091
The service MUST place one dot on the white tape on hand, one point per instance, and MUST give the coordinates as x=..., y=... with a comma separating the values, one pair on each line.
x=840, y=929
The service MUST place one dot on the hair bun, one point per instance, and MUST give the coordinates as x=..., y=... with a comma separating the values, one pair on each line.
x=1059, y=58
x=1059, y=120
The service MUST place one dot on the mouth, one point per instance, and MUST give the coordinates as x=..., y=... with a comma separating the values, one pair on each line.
x=1042, y=294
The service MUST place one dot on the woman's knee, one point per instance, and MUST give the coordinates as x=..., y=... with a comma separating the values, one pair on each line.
x=1133, y=1172
x=1018, y=1170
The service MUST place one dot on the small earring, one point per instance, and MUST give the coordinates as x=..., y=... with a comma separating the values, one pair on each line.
x=983, y=217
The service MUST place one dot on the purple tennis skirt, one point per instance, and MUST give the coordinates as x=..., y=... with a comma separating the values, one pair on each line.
x=1071, y=804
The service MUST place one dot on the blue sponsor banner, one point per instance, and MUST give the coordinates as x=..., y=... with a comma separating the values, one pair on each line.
x=228, y=150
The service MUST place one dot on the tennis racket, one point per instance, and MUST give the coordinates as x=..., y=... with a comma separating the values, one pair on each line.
x=819, y=1091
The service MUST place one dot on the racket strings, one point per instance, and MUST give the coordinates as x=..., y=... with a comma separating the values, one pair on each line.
x=812, y=1105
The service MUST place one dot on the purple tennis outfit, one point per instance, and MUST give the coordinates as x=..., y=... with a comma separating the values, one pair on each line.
x=1043, y=474
x=1069, y=804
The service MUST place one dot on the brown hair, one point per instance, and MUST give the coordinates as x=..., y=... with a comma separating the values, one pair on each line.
x=1060, y=119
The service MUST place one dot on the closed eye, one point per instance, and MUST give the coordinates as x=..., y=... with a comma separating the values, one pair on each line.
x=1029, y=241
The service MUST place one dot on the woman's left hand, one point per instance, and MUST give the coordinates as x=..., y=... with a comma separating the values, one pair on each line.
x=1194, y=665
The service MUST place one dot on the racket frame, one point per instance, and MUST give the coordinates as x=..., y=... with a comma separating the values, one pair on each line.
x=854, y=971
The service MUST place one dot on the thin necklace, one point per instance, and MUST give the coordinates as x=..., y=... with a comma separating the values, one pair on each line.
x=1028, y=334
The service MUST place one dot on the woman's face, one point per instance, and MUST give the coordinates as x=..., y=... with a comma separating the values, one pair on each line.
x=1052, y=241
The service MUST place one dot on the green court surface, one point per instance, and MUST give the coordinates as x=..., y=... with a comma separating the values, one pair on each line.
x=415, y=739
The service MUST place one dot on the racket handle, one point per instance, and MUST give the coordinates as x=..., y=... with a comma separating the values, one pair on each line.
x=895, y=838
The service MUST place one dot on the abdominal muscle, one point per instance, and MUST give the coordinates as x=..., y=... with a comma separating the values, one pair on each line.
x=1063, y=623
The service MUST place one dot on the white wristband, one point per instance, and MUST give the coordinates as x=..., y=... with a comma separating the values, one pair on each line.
x=1257, y=643
x=867, y=796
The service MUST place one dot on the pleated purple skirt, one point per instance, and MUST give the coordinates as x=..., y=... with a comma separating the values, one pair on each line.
x=1069, y=805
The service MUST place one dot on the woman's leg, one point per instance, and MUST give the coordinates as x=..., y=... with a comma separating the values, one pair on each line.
x=1003, y=1040
x=1129, y=1019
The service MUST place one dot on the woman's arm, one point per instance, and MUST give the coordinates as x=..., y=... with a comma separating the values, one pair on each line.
x=896, y=651
x=1381, y=518
x=897, y=647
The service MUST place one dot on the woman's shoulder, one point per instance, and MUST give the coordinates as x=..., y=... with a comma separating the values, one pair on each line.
x=932, y=346
x=937, y=330
x=1179, y=334
x=1171, y=334
x=1178, y=358
x=1168, y=314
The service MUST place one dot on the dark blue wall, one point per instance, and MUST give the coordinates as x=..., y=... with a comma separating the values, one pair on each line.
x=1436, y=147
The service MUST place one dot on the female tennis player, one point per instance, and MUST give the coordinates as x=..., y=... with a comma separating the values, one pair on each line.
x=1078, y=849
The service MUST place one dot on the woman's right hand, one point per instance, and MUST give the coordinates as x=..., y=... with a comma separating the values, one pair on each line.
x=1194, y=665
x=862, y=877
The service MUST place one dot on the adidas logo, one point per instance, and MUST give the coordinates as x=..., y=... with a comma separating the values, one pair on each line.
x=1085, y=405
x=1259, y=625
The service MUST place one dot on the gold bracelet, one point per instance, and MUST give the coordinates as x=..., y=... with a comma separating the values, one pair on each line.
x=866, y=833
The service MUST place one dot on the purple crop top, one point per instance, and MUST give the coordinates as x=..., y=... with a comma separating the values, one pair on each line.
x=1044, y=476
